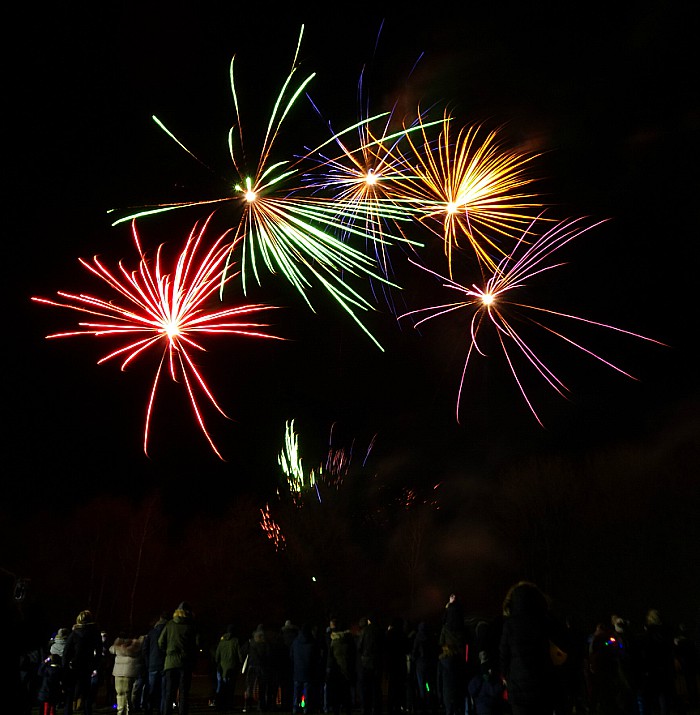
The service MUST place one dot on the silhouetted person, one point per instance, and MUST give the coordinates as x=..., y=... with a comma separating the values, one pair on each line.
x=453, y=631
x=228, y=661
x=258, y=667
x=425, y=658
x=452, y=680
x=81, y=661
x=370, y=655
x=396, y=649
x=341, y=673
x=485, y=690
x=687, y=657
x=525, y=660
x=154, y=660
x=658, y=687
x=305, y=656
x=288, y=633
x=50, y=694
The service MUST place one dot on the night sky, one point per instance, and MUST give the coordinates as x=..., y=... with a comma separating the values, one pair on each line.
x=609, y=98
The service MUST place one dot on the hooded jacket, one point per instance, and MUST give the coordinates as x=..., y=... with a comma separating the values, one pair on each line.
x=128, y=657
x=228, y=654
x=180, y=641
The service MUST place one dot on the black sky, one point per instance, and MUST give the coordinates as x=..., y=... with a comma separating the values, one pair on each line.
x=609, y=96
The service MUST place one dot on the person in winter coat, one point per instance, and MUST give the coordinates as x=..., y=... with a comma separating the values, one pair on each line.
x=154, y=662
x=81, y=657
x=179, y=640
x=288, y=634
x=453, y=631
x=50, y=694
x=525, y=660
x=396, y=651
x=341, y=670
x=485, y=691
x=305, y=655
x=258, y=671
x=227, y=659
x=58, y=644
x=370, y=653
x=128, y=664
x=424, y=653
x=658, y=666
x=452, y=679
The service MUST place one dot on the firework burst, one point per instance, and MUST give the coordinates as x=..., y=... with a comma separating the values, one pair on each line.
x=468, y=186
x=307, y=239
x=495, y=305
x=160, y=309
x=366, y=176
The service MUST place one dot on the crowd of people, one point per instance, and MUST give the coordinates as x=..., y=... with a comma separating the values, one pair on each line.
x=525, y=662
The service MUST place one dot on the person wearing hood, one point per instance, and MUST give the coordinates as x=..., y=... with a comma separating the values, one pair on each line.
x=179, y=640
x=128, y=662
x=81, y=657
x=228, y=661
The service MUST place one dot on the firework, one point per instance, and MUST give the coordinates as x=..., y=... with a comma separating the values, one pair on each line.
x=157, y=309
x=365, y=172
x=290, y=461
x=330, y=474
x=469, y=187
x=303, y=238
x=495, y=305
x=366, y=181
x=272, y=529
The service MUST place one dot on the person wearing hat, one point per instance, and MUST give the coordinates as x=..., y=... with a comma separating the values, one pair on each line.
x=180, y=642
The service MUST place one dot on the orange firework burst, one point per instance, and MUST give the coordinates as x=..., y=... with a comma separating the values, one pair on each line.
x=166, y=310
x=495, y=303
x=469, y=186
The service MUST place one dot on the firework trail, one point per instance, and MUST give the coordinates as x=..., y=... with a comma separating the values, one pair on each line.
x=494, y=305
x=154, y=308
x=283, y=231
